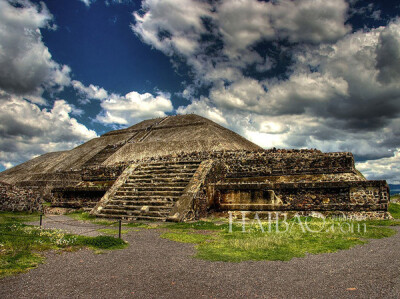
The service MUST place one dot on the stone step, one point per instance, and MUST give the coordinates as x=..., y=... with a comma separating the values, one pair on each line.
x=142, y=202
x=134, y=212
x=161, y=193
x=161, y=176
x=151, y=188
x=139, y=208
x=151, y=191
x=154, y=164
x=103, y=154
x=156, y=183
x=145, y=198
x=126, y=217
x=169, y=166
x=163, y=172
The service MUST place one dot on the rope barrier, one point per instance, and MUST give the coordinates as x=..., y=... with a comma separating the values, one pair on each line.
x=65, y=221
x=81, y=226
x=68, y=223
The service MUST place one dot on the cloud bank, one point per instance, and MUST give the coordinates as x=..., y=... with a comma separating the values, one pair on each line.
x=32, y=124
x=26, y=65
x=291, y=74
x=286, y=73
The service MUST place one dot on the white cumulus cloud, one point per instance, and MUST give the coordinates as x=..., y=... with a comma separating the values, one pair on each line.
x=384, y=169
x=28, y=131
x=89, y=92
x=26, y=65
x=133, y=107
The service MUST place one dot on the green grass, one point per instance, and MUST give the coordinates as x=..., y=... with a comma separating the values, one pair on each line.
x=21, y=245
x=221, y=245
x=394, y=209
x=101, y=242
x=199, y=225
x=85, y=216
x=185, y=237
x=381, y=222
x=18, y=217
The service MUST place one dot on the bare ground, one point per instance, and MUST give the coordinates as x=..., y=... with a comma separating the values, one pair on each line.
x=152, y=267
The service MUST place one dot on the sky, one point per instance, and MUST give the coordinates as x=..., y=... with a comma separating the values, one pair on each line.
x=282, y=73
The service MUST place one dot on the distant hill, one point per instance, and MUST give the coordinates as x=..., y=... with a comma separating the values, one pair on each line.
x=394, y=189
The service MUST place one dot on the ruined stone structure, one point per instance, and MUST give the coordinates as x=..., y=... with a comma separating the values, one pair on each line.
x=16, y=199
x=184, y=167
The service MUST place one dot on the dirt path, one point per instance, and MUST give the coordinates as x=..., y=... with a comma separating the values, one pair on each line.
x=152, y=267
x=71, y=225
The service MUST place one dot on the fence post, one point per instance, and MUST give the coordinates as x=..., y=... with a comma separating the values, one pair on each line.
x=41, y=216
x=119, y=229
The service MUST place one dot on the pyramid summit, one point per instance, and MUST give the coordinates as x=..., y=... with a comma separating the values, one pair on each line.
x=149, y=138
x=186, y=166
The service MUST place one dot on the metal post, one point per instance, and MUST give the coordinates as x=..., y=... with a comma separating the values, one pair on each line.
x=119, y=229
x=41, y=216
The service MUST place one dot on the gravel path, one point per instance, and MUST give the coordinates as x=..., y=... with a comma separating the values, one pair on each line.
x=152, y=267
x=71, y=225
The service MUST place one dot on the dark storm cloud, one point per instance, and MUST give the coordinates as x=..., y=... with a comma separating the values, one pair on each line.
x=388, y=56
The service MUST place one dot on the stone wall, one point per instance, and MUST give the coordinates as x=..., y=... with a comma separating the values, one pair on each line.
x=56, y=179
x=300, y=180
x=326, y=196
x=13, y=198
x=289, y=163
x=194, y=202
x=77, y=197
x=103, y=173
x=248, y=163
x=88, y=192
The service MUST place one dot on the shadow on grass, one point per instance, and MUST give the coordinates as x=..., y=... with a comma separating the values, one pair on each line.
x=20, y=244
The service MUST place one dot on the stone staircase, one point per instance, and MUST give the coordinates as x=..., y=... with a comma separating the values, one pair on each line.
x=151, y=191
x=103, y=155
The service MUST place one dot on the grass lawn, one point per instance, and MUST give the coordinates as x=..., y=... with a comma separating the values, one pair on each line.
x=395, y=197
x=21, y=245
x=394, y=209
x=85, y=216
x=219, y=242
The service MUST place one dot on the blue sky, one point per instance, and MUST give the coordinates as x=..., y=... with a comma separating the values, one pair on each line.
x=286, y=74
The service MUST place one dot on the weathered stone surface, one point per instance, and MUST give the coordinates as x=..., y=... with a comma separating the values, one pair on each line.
x=192, y=203
x=109, y=195
x=321, y=196
x=186, y=167
x=149, y=190
x=19, y=199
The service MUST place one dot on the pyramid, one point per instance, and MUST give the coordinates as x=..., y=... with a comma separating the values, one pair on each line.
x=149, y=138
x=186, y=167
